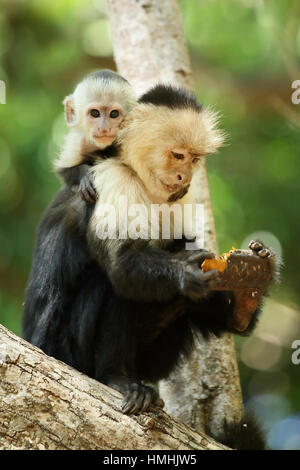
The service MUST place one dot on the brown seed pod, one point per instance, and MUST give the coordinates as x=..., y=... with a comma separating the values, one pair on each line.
x=247, y=274
x=240, y=269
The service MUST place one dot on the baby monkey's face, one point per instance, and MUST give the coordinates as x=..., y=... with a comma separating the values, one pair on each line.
x=102, y=122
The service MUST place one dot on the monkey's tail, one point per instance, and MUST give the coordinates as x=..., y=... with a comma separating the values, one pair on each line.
x=243, y=435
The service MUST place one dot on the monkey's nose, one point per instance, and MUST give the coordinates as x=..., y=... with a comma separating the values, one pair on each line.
x=179, y=177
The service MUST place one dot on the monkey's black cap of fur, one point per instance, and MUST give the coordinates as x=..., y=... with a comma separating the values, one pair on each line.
x=172, y=97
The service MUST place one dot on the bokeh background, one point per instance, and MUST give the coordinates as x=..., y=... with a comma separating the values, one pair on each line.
x=245, y=55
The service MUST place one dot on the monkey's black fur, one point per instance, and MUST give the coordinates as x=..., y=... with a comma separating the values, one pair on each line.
x=72, y=176
x=171, y=97
x=243, y=435
x=119, y=316
x=69, y=296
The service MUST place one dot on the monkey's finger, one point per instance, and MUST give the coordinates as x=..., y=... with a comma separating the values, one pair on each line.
x=264, y=253
x=198, y=257
x=255, y=246
x=198, y=281
x=92, y=191
x=208, y=275
x=92, y=197
x=129, y=402
x=139, y=403
x=147, y=400
x=127, y=407
x=196, y=289
x=85, y=195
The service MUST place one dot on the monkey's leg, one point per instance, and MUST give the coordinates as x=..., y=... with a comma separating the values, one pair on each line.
x=157, y=356
x=115, y=358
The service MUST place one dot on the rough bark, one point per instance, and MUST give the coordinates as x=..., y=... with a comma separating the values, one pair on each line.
x=149, y=46
x=45, y=404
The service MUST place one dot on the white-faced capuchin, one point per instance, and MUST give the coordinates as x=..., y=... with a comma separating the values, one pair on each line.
x=125, y=310
x=93, y=114
x=158, y=286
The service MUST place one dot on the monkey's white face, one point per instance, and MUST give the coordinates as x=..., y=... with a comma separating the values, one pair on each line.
x=164, y=145
x=101, y=123
x=170, y=172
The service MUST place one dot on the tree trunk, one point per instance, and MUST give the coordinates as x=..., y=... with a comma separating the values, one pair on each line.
x=149, y=46
x=46, y=404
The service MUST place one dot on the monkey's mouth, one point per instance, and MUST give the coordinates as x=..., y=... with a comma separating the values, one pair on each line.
x=179, y=194
x=172, y=188
x=104, y=137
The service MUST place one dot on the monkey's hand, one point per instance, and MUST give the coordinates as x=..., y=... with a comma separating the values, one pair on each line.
x=86, y=188
x=137, y=397
x=194, y=283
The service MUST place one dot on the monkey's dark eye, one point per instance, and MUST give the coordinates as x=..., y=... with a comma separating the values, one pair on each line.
x=195, y=159
x=179, y=156
x=114, y=114
x=95, y=113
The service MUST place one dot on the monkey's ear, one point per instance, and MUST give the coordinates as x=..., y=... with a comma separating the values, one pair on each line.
x=70, y=110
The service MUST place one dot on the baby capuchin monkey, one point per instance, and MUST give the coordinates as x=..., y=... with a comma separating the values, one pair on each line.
x=93, y=113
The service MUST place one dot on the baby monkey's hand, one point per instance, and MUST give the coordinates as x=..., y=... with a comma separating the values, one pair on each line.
x=86, y=189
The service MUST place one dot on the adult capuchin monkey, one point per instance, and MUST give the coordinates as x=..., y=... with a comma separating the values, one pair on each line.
x=160, y=295
x=125, y=310
x=93, y=113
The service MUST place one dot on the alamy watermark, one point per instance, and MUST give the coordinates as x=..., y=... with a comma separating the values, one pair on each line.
x=153, y=222
x=295, y=97
x=2, y=92
x=296, y=353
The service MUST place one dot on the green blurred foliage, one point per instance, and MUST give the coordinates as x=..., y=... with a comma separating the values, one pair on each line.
x=245, y=55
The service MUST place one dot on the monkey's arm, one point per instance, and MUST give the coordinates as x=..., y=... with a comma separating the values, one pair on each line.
x=81, y=179
x=141, y=272
x=60, y=257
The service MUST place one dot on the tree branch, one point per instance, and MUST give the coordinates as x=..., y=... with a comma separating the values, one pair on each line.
x=46, y=404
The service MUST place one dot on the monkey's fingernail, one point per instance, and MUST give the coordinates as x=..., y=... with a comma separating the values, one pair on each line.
x=255, y=246
x=264, y=253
